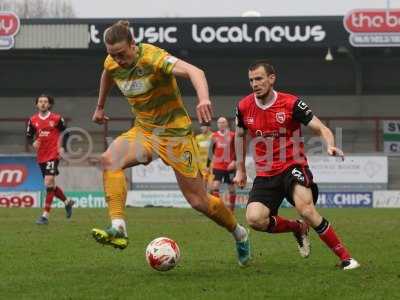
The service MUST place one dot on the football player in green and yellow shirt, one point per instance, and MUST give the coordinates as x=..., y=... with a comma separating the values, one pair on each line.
x=145, y=75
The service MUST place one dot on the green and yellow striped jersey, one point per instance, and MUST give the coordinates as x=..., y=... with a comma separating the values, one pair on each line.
x=152, y=92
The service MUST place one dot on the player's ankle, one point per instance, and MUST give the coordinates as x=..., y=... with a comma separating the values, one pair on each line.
x=239, y=233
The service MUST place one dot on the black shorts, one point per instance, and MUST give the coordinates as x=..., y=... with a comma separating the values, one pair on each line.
x=49, y=167
x=224, y=176
x=271, y=191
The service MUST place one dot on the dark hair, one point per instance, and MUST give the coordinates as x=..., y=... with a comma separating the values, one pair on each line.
x=118, y=32
x=269, y=69
x=49, y=98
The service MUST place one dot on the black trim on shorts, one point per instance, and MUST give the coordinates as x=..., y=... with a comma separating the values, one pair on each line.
x=271, y=191
x=224, y=176
x=49, y=168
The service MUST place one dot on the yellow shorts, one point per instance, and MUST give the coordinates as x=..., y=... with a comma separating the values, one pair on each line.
x=181, y=153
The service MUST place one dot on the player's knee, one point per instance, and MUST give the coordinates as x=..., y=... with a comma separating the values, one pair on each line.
x=198, y=204
x=106, y=161
x=195, y=201
x=49, y=183
x=257, y=222
x=215, y=186
x=307, y=211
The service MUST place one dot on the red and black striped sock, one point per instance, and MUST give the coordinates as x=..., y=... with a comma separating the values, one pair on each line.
x=279, y=224
x=49, y=199
x=60, y=194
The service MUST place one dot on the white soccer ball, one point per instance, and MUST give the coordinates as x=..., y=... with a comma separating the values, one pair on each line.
x=162, y=254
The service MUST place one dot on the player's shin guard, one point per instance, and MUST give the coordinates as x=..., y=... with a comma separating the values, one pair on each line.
x=329, y=237
x=279, y=224
x=58, y=192
x=220, y=214
x=115, y=190
x=49, y=199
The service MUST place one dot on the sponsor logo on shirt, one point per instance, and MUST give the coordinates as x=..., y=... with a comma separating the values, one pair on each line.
x=250, y=120
x=44, y=133
x=132, y=88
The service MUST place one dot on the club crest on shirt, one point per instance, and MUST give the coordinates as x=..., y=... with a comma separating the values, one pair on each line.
x=280, y=117
x=51, y=123
x=139, y=71
x=187, y=158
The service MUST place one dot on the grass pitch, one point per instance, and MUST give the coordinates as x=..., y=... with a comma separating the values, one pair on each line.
x=62, y=261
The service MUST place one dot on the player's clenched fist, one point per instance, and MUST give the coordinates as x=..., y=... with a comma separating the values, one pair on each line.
x=36, y=145
x=99, y=116
x=204, y=111
x=240, y=179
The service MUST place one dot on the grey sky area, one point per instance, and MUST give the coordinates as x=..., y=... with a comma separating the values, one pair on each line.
x=216, y=8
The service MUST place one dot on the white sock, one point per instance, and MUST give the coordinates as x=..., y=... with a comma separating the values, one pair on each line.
x=45, y=215
x=240, y=233
x=120, y=225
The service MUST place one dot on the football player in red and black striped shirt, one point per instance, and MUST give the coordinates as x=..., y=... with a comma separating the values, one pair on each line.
x=273, y=121
x=43, y=133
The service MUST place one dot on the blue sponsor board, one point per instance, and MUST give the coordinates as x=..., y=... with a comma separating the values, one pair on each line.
x=20, y=173
x=345, y=199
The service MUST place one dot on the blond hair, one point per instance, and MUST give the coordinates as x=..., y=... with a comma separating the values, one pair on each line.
x=118, y=32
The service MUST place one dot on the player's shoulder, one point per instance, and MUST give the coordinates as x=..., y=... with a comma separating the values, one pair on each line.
x=146, y=48
x=289, y=99
x=149, y=52
x=287, y=96
x=110, y=64
x=34, y=117
x=246, y=101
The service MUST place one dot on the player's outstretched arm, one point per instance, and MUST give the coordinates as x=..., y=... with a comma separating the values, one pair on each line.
x=326, y=134
x=199, y=81
x=106, y=83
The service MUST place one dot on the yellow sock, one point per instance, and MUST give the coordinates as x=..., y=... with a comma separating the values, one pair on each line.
x=220, y=214
x=115, y=190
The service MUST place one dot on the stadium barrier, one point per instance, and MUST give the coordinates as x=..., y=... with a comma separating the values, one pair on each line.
x=174, y=198
x=386, y=199
x=20, y=199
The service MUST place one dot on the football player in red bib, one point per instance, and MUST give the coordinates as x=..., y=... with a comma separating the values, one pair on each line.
x=43, y=133
x=273, y=121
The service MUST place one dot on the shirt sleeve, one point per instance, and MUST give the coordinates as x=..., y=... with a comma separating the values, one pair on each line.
x=110, y=64
x=61, y=125
x=30, y=132
x=302, y=112
x=163, y=61
x=239, y=118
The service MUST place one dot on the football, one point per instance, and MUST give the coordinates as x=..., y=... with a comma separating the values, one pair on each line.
x=162, y=254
